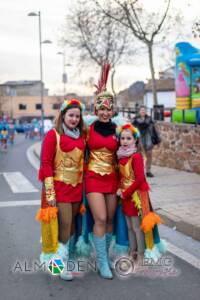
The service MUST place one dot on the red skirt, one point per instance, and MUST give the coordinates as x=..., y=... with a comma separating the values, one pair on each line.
x=68, y=193
x=96, y=183
x=129, y=209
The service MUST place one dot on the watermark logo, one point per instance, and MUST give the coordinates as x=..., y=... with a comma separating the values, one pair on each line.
x=56, y=266
x=124, y=267
x=164, y=267
x=28, y=267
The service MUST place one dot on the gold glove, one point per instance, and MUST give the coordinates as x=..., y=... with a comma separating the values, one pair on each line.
x=49, y=189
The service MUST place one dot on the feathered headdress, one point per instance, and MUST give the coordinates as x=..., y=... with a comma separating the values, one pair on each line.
x=129, y=126
x=72, y=103
x=104, y=98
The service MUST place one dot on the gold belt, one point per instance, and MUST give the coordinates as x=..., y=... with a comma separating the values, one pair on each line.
x=101, y=161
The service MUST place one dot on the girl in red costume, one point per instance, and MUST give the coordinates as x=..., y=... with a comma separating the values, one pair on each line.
x=101, y=177
x=133, y=191
x=61, y=171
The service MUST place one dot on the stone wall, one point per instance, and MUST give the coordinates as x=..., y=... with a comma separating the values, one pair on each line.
x=180, y=147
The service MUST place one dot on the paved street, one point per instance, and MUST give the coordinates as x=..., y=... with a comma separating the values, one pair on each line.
x=175, y=194
x=20, y=245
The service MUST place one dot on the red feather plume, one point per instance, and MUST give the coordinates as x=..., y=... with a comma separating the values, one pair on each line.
x=101, y=86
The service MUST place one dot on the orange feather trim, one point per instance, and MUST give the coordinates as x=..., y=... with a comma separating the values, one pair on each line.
x=149, y=221
x=46, y=214
x=82, y=209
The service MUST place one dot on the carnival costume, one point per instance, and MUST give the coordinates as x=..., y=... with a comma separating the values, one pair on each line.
x=135, y=198
x=61, y=171
x=101, y=174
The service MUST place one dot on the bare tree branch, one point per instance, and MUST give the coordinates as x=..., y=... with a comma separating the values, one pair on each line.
x=162, y=21
x=95, y=37
x=130, y=14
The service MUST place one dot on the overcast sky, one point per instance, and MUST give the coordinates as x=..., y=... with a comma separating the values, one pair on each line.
x=19, y=46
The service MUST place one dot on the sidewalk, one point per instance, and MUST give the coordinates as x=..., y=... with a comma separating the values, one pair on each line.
x=175, y=195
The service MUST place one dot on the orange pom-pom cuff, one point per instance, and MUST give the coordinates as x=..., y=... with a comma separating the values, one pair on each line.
x=46, y=214
x=149, y=221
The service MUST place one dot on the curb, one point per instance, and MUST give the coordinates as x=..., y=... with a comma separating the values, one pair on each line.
x=178, y=224
x=33, y=156
x=36, y=150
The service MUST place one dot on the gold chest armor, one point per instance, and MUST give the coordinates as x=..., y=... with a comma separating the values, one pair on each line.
x=102, y=161
x=127, y=178
x=68, y=166
x=126, y=174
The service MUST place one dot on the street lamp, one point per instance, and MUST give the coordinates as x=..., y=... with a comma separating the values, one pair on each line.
x=34, y=14
x=64, y=76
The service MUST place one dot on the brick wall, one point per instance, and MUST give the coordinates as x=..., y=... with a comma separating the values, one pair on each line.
x=180, y=147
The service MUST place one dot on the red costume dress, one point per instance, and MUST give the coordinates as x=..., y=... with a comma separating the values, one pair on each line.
x=132, y=181
x=62, y=159
x=101, y=175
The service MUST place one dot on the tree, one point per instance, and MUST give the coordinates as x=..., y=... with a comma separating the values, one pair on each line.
x=95, y=37
x=144, y=25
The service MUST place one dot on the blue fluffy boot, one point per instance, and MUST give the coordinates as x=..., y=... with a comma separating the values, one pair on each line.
x=72, y=247
x=72, y=255
x=101, y=256
x=108, y=242
x=66, y=274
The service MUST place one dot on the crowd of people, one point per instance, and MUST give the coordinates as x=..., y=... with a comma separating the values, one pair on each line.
x=94, y=188
x=31, y=130
x=7, y=133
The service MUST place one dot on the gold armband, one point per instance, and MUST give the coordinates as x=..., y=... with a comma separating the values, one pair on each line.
x=49, y=188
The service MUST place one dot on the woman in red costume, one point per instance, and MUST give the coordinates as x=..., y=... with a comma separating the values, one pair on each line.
x=61, y=171
x=101, y=177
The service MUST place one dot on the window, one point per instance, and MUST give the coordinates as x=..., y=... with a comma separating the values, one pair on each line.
x=22, y=106
x=38, y=106
x=56, y=106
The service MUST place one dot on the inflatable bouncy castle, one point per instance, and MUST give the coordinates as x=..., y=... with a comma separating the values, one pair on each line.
x=187, y=84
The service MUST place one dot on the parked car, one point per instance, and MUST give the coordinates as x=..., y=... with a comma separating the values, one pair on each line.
x=20, y=128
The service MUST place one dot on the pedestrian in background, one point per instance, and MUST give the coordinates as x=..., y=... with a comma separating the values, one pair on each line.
x=4, y=137
x=149, y=136
x=11, y=131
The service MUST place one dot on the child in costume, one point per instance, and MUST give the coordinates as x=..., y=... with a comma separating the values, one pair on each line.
x=133, y=189
x=4, y=137
x=101, y=180
x=61, y=171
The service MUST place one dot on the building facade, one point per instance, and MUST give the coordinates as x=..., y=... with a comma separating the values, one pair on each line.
x=166, y=94
x=22, y=88
x=25, y=108
x=21, y=100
